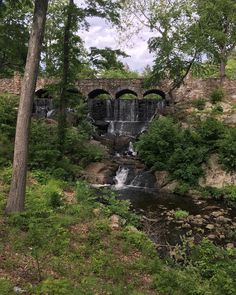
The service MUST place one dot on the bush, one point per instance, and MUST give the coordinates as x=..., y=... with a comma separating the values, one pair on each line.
x=199, y=103
x=217, y=95
x=181, y=214
x=8, y=114
x=217, y=109
x=227, y=148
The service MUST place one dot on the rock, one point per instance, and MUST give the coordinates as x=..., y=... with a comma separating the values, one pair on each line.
x=132, y=229
x=210, y=226
x=211, y=237
x=186, y=225
x=231, y=120
x=100, y=172
x=216, y=213
x=97, y=212
x=18, y=290
x=230, y=246
x=222, y=219
x=215, y=175
x=162, y=178
x=115, y=221
x=170, y=187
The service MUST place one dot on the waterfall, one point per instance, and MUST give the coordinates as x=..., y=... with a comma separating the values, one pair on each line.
x=131, y=150
x=126, y=117
x=121, y=177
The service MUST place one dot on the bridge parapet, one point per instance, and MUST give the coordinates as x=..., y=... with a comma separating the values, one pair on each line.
x=116, y=87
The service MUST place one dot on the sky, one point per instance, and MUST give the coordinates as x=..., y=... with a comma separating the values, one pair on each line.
x=101, y=35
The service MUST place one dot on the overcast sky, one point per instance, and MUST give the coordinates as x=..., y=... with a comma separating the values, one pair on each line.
x=102, y=35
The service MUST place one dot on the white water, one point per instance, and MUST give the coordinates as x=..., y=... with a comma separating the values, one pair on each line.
x=131, y=149
x=121, y=176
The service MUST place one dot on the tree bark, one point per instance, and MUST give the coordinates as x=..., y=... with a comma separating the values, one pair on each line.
x=16, y=197
x=65, y=79
x=222, y=72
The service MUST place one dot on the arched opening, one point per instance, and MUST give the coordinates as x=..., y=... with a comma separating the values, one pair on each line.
x=100, y=94
x=42, y=102
x=126, y=94
x=154, y=94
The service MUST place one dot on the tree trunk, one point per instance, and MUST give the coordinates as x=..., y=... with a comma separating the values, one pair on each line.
x=16, y=197
x=65, y=79
x=222, y=72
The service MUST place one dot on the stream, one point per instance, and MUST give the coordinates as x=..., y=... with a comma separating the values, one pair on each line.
x=168, y=219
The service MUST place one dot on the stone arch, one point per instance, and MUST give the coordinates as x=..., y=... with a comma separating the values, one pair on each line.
x=96, y=92
x=125, y=91
x=155, y=91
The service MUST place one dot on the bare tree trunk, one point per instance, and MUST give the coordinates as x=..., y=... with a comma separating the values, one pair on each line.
x=64, y=82
x=16, y=197
x=222, y=72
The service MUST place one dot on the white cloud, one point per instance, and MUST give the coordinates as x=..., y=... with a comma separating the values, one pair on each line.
x=101, y=35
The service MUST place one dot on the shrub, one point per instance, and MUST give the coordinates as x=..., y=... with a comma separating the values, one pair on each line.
x=227, y=148
x=210, y=130
x=217, y=95
x=217, y=109
x=181, y=214
x=199, y=103
x=8, y=114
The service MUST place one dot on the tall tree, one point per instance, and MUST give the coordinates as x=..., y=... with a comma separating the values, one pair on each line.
x=15, y=202
x=217, y=21
x=14, y=35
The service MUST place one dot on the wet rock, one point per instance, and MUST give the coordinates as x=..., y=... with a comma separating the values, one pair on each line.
x=210, y=226
x=100, y=172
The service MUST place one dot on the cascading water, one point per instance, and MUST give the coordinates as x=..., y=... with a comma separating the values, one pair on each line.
x=131, y=150
x=126, y=117
x=121, y=177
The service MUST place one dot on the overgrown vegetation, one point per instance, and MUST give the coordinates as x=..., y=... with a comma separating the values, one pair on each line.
x=44, y=151
x=182, y=151
x=61, y=247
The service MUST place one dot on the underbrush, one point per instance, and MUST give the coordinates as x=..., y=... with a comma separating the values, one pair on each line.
x=182, y=151
x=44, y=152
x=62, y=247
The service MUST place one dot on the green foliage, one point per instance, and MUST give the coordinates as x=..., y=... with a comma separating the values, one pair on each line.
x=8, y=112
x=199, y=103
x=217, y=95
x=227, y=148
x=217, y=109
x=181, y=214
x=53, y=286
x=5, y=287
x=167, y=146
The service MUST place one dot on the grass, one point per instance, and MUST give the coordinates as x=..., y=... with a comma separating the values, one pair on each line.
x=63, y=247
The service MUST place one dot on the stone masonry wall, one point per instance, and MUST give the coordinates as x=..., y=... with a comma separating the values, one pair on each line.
x=190, y=90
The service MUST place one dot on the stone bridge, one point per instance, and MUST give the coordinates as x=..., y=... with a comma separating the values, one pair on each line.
x=115, y=88
x=191, y=89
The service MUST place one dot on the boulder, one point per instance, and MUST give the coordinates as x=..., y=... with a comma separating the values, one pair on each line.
x=215, y=175
x=231, y=120
x=162, y=178
x=100, y=172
